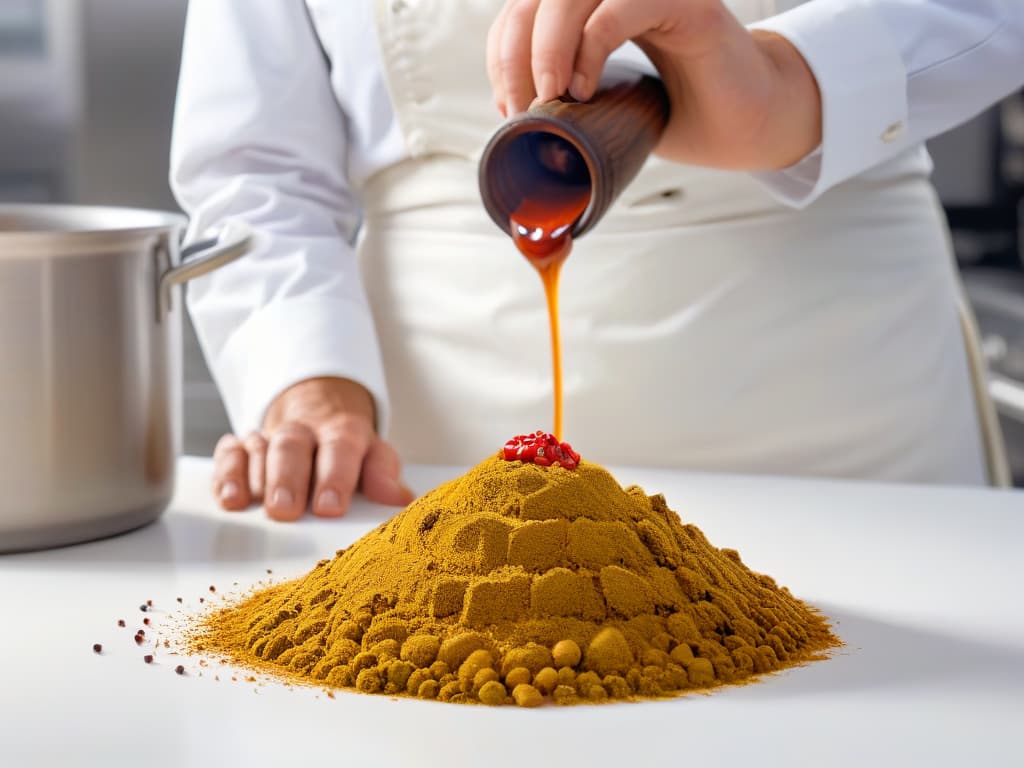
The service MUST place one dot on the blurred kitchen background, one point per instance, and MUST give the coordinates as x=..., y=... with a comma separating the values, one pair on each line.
x=86, y=98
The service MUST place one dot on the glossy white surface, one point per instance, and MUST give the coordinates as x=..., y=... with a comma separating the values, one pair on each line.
x=923, y=584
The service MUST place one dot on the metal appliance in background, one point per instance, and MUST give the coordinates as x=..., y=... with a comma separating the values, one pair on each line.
x=90, y=384
x=980, y=176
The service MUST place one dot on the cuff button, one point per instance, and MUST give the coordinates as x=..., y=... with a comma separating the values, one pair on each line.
x=893, y=132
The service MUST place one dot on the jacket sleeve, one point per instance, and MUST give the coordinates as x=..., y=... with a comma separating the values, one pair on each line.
x=259, y=137
x=893, y=73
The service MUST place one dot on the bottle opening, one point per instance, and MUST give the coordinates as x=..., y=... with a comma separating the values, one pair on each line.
x=543, y=178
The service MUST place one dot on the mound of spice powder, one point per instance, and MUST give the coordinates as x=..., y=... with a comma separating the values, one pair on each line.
x=520, y=583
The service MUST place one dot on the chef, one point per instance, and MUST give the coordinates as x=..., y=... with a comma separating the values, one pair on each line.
x=774, y=293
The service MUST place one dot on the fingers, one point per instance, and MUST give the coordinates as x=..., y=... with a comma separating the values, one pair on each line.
x=230, y=473
x=557, y=29
x=289, y=467
x=256, y=446
x=514, y=57
x=611, y=24
x=382, y=476
x=494, y=59
x=343, y=443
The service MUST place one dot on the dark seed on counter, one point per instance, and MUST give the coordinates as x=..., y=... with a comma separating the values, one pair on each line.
x=179, y=669
x=120, y=622
x=143, y=608
x=269, y=571
x=179, y=599
x=202, y=600
x=148, y=658
x=213, y=588
x=149, y=603
x=97, y=648
x=146, y=621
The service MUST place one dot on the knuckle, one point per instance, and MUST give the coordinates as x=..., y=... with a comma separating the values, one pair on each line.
x=508, y=63
x=602, y=27
x=226, y=444
x=344, y=426
x=293, y=433
x=255, y=442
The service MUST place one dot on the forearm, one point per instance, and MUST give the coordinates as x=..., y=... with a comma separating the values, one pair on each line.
x=259, y=136
x=893, y=73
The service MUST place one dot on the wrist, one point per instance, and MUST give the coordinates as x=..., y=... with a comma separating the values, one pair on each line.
x=314, y=400
x=798, y=106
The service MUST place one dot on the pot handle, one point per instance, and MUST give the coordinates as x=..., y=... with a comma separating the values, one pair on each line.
x=233, y=242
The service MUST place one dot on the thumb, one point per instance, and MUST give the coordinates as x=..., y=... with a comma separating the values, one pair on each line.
x=381, y=477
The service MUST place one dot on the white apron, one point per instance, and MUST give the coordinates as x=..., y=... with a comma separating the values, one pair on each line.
x=705, y=326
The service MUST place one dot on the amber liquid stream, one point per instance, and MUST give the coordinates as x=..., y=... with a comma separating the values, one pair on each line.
x=541, y=228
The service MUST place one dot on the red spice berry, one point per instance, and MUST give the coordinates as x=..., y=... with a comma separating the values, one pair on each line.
x=120, y=622
x=542, y=449
x=97, y=648
x=149, y=603
x=148, y=658
x=179, y=669
x=213, y=588
x=146, y=621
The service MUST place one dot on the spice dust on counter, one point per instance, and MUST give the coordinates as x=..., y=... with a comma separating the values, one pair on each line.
x=521, y=583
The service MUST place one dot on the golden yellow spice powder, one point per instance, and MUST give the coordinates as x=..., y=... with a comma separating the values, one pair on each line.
x=516, y=584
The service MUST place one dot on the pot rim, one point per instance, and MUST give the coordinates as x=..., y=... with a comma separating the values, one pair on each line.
x=58, y=229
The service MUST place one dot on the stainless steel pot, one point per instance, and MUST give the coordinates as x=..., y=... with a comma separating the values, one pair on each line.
x=90, y=367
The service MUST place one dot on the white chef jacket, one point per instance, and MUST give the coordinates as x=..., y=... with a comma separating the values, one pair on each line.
x=266, y=131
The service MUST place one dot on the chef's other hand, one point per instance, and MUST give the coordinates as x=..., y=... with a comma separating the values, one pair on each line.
x=740, y=100
x=318, y=444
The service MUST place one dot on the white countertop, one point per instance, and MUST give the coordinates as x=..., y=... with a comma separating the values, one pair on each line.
x=923, y=585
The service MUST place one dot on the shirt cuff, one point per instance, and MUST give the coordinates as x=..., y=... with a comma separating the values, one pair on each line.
x=294, y=339
x=863, y=84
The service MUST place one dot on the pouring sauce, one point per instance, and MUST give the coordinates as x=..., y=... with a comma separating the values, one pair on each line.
x=541, y=229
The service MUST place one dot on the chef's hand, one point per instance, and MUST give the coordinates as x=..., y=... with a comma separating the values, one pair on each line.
x=740, y=100
x=318, y=438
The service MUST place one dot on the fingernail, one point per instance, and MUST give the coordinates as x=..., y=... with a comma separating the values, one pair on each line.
x=282, y=498
x=547, y=89
x=410, y=494
x=329, y=500
x=229, y=490
x=501, y=108
x=578, y=87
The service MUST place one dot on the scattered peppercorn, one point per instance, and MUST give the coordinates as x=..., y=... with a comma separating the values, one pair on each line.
x=146, y=621
x=180, y=669
x=149, y=603
x=120, y=622
x=213, y=588
x=202, y=600
x=269, y=571
x=143, y=608
x=148, y=658
x=179, y=599
x=97, y=648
